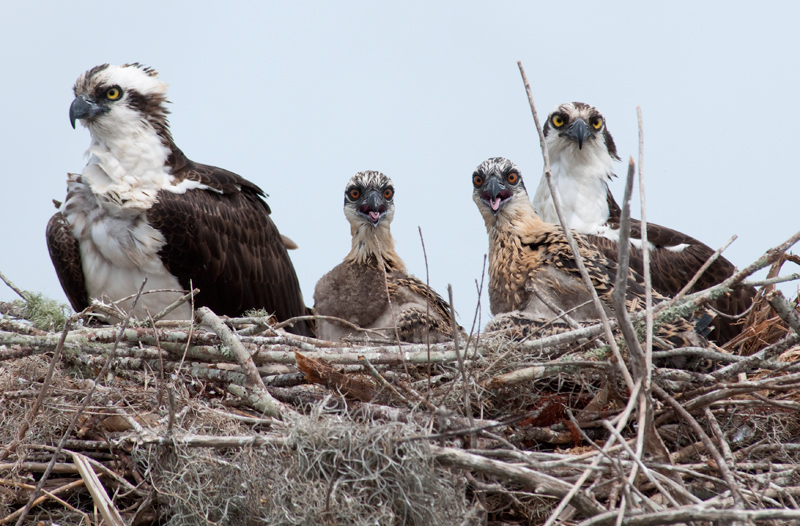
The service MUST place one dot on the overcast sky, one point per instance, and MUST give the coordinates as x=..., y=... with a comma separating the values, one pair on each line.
x=298, y=96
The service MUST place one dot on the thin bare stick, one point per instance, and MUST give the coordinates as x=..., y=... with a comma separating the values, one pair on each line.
x=174, y=305
x=621, y=283
x=703, y=268
x=383, y=382
x=648, y=283
x=13, y=287
x=427, y=307
x=460, y=356
x=571, y=241
x=771, y=281
x=784, y=310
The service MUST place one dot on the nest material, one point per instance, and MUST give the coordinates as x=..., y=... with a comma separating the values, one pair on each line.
x=247, y=424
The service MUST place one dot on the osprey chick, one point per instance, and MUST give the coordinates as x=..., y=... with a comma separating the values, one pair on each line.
x=529, y=258
x=582, y=153
x=356, y=289
x=141, y=209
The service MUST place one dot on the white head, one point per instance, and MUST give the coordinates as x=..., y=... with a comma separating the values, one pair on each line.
x=117, y=101
x=579, y=130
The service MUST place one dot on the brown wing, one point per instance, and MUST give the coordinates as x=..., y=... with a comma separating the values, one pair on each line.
x=438, y=305
x=224, y=241
x=671, y=271
x=66, y=256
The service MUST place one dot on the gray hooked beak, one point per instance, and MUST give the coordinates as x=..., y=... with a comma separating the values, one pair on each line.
x=495, y=195
x=84, y=108
x=373, y=208
x=578, y=131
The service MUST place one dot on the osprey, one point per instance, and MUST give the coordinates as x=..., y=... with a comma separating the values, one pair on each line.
x=530, y=258
x=371, y=287
x=141, y=209
x=582, y=153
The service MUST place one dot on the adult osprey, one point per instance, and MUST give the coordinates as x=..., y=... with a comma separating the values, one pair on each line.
x=141, y=209
x=530, y=258
x=371, y=287
x=582, y=154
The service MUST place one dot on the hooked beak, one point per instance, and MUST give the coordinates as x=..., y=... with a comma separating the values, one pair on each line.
x=84, y=108
x=373, y=208
x=578, y=131
x=495, y=195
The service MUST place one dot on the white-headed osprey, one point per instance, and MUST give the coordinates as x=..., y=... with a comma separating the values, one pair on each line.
x=582, y=153
x=371, y=287
x=141, y=209
x=529, y=258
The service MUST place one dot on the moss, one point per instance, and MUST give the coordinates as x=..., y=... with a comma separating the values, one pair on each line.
x=44, y=313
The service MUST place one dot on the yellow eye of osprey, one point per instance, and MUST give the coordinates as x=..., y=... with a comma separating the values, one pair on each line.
x=558, y=121
x=477, y=180
x=113, y=93
x=388, y=194
x=597, y=123
x=354, y=194
x=512, y=177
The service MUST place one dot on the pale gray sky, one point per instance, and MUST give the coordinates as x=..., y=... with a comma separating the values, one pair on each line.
x=298, y=96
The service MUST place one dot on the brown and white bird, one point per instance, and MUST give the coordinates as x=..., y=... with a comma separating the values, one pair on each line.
x=582, y=154
x=141, y=209
x=529, y=258
x=371, y=287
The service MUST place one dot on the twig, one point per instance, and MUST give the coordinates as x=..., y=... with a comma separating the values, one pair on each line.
x=619, y=295
x=13, y=287
x=785, y=311
x=710, y=261
x=539, y=482
x=571, y=241
x=101, y=499
x=174, y=305
x=459, y=355
x=723, y=468
x=771, y=281
x=266, y=403
x=427, y=306
x=383, y=382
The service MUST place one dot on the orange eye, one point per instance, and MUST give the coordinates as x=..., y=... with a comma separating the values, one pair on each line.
x=354, y=193
x=557, y=120
x=597, y=123
x=512, y=177
x=388, y=194
x=477, y=180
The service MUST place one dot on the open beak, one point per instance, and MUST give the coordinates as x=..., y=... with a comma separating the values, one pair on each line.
x=373, y=208
x=84, y=108
x=495, y=195
x=578, y=131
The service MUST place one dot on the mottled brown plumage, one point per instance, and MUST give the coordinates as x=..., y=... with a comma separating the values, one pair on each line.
x=526, y=252
x=371, y=287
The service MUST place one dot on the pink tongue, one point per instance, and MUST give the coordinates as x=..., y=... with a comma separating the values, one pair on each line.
x=374, y=215
x=495, y=203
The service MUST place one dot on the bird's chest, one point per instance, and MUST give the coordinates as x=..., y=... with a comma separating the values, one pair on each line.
x=118, y=247
x=508, y=275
